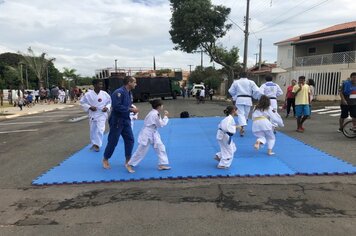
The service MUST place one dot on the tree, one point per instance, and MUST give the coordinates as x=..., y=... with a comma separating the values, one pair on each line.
x=197, y=24
x=209, y=76
x=39, y=65
x=70, y=75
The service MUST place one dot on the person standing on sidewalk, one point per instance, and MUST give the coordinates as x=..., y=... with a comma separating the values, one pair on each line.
x=242, y=91
x=301, y=92
x=120, y=122
x=290, y=98
x=98, y=103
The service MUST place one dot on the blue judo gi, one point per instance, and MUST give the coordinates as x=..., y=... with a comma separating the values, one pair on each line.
x=120, y=122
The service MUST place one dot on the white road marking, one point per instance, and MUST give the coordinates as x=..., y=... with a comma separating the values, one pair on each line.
x=76, y=119
x=18, y=131
x=332, y=107
x=22, y=123
x=327, y=112
x=338, y=114
x=320, y=110
x=31, y=117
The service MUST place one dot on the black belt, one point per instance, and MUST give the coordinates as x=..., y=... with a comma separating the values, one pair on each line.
x=229, y=134
x=245, y=96
x=272, y=98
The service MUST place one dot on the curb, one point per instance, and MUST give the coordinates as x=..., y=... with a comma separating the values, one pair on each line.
x=33, y=112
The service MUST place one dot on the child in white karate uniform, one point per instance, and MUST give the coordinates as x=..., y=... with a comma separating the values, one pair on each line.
x=150, y=136
x=264, y=119
x=226, y=129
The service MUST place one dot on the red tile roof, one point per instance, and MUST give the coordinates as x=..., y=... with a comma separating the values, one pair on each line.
x=333, y=30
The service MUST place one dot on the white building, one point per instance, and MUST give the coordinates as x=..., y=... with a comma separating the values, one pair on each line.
x=327, y=56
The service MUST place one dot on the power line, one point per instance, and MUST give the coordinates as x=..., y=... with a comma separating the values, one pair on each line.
x=285, y=12
x=297, y=14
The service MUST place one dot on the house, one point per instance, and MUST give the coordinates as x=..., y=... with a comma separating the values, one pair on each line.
x=258, y=74
x=327, y=56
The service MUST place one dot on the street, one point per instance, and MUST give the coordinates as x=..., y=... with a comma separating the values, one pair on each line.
x=295, y=205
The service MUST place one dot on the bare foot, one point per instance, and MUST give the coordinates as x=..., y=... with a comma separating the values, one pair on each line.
x=129, y=168
x=106, y=164
x=257, y=145
x=270, y=153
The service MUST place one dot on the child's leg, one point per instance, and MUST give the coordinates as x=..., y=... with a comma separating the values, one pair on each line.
x=160, y=150
x=260, y=139
x=271, y=140
x=139, y=154
x=227, y=151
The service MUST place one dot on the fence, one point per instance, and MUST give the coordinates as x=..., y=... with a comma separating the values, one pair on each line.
x=326, y=82
x=327, y=59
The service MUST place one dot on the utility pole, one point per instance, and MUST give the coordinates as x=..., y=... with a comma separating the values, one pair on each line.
x=260, y=56
x=47, y=79
x=201, y=58
x=247, y=18
x=190, y=69
x=26, y=78
x=256, y=54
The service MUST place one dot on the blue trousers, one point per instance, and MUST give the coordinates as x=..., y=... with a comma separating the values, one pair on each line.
x=121, y=127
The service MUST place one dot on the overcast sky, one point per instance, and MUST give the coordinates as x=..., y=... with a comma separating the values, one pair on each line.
x=91, y=34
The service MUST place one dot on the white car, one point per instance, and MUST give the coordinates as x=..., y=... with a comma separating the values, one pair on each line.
x=197, y=87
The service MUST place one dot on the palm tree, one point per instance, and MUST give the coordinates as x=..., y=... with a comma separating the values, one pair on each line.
x=39, y=64
x=70, y=74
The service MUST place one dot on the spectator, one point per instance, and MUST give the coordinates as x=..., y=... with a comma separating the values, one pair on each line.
x=36, y=93
x=348, y=101
x=290, y=100
x=302, y=96
x=311, y=84
x=211, y=94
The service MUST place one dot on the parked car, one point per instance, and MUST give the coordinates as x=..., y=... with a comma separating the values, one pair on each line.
x=195, y=88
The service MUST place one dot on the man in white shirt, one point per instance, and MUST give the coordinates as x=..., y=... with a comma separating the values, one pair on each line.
x=242, y=90
x=98, y=103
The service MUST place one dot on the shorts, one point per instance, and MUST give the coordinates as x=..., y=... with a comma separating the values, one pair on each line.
x=302, y=110
x=346, y=110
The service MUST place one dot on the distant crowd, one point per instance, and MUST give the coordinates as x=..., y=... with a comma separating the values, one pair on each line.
x=43, y=95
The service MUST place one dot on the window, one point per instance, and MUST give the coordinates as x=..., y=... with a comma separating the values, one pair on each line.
x=290, y=53
x=312, y=50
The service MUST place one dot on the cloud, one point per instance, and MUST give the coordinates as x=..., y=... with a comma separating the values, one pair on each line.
x=88, y=35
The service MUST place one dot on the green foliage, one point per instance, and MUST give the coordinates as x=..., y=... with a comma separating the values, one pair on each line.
x=163, y=72
x=209, y=76
x=10, y=72
x=85, y=80
x=197, y=24
x=38, y=64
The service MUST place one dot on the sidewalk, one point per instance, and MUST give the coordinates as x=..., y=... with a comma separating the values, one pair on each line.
x=7, y=112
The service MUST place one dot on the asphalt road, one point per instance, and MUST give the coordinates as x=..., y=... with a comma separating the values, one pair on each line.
x=298, y=205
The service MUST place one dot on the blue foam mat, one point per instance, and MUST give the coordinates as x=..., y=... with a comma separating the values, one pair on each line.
x=191, y=146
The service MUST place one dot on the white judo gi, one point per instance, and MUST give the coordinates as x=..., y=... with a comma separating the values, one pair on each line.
x=133, y=117
x=242, y=90
x=271, y=90
x=149, y=135
x=262, y=126
x=227, y=145
x=97, y=118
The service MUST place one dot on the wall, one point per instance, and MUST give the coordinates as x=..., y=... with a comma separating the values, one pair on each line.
x=285, y=56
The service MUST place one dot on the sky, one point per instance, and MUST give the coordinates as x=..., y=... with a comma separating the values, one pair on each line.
x=92, y=34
